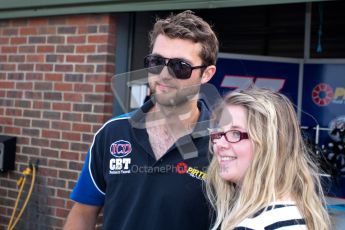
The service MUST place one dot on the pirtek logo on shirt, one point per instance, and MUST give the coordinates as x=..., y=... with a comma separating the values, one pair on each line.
x=196, y=173
x=183, y=168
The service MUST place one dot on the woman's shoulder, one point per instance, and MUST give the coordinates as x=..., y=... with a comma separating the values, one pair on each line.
x=280, y=214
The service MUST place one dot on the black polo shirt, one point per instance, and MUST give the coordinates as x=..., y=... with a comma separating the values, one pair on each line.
x=139, y=192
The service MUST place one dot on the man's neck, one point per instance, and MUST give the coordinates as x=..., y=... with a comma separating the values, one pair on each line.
x=165, y=125
x=179, y=117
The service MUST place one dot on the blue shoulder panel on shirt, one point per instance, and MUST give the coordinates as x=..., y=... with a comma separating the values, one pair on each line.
x=85, y=191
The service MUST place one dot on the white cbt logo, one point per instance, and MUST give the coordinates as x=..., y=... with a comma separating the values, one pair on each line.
x=119, y=163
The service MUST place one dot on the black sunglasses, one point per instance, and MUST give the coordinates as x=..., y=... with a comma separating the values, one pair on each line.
x=177, y=67
x=232, y=136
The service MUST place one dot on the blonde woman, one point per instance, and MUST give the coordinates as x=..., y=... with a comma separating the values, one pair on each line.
x=261, y=176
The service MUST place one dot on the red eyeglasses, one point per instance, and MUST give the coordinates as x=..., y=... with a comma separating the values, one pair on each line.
x=232, y=136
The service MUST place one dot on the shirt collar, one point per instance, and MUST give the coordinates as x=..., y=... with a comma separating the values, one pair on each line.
x=200, y=129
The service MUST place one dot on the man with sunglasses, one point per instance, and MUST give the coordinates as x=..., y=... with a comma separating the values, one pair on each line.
x=146, y=168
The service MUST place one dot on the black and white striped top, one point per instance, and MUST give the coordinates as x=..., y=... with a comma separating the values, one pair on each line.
x=278, y=215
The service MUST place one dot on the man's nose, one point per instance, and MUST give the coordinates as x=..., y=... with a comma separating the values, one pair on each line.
x=165, y=74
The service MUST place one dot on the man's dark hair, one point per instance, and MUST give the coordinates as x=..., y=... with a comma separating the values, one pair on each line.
x=187, y=25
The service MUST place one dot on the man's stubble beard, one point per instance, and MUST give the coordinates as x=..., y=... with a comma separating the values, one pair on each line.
x=179, y=97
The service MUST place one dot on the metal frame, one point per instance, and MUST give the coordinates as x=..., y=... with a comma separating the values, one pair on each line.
x=38, y=8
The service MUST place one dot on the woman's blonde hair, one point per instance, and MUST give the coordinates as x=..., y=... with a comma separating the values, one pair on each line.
x=281, y=166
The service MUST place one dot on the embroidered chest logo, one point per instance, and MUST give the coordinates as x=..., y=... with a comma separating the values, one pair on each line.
x=120, y=148
x=183, y=168
x=120, y=164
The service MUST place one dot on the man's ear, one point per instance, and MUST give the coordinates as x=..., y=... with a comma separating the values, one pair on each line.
x=208, y=73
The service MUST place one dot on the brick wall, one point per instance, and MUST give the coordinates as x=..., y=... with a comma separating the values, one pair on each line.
x=54, y=94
